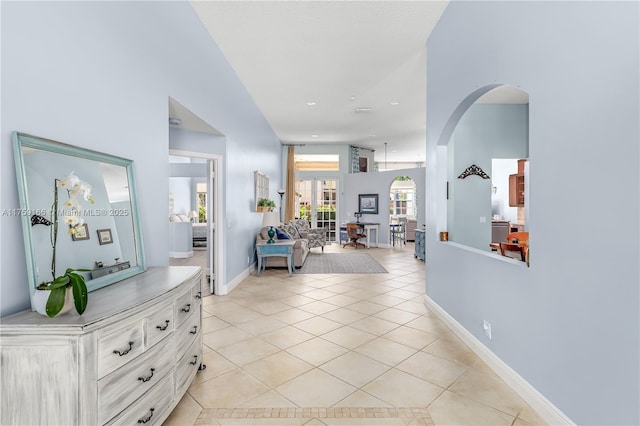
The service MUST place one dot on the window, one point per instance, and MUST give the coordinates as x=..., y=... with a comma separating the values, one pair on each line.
x=402, y=197
x=201, y=200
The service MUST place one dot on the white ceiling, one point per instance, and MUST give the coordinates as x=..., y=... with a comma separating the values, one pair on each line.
x=342, y=55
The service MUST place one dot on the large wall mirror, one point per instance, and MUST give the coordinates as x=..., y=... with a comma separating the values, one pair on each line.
x=107, y=238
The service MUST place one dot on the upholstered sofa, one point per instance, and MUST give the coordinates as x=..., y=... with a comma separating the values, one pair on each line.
x=317, y=236
x=300, y=248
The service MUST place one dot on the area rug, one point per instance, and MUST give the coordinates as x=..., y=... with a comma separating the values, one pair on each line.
x=342, y=263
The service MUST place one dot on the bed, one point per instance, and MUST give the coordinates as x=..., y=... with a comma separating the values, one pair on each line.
x=198, y=230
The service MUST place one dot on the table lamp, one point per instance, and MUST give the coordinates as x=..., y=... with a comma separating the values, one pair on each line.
x=357, y=215
x=271, y=219
x=193, y=215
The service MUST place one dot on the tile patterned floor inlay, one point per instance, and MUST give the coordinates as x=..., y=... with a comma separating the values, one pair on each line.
x=339, y=350
x=320, y=413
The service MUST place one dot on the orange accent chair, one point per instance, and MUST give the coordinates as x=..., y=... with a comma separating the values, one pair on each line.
x=354, y=233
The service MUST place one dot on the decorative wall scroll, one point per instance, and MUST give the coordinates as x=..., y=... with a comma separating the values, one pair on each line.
x=473, y=170
x=262, y=187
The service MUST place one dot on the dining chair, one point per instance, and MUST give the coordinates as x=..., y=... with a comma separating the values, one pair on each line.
x=513, y=250
x=399, y=232
x=520, y=237
x=354, y=233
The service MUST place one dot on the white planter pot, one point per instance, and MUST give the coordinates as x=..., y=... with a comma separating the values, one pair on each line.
x=40, y=297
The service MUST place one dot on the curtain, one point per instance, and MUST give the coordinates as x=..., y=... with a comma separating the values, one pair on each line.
x=290, y=190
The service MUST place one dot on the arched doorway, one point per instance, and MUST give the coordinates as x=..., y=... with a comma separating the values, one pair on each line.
x=403, y=205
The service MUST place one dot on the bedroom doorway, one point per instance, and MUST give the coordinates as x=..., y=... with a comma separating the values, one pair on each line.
x=195, y=186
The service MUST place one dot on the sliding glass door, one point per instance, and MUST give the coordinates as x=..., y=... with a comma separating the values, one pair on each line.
x=316, y=201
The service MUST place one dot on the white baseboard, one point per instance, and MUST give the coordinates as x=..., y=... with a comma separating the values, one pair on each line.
x=239, y=278
x=180, y=254
x=545, y=408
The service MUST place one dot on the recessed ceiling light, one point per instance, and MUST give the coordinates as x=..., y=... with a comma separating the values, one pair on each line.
x=311, y=103
x=353, y=98
x=364, y=109
x=394, y=102
x=314, y=136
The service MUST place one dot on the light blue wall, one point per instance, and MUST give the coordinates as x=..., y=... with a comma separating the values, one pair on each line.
x=569, y=324
x=99, y=75
x=240, y=160
x=485, y=132
x=380, y=183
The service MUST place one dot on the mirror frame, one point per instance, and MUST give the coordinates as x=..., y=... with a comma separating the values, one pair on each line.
x=23, y=140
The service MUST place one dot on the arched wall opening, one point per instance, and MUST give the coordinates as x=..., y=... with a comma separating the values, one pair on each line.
x=479, y=149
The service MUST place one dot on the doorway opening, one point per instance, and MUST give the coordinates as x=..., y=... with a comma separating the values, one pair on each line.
x=194, y=186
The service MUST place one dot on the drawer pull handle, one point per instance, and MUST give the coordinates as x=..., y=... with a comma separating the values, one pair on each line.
x=195, y=330
x=199, y=295
x=195, y=360
x=126, y=351
x=166, y=324
x=146, y=379
x=146, y=419
x=188, y=308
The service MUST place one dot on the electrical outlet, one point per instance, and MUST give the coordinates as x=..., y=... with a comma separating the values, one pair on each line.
x=483, y=219
x=487, y=328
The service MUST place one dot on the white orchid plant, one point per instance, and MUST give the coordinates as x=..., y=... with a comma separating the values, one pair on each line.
x=71, y=216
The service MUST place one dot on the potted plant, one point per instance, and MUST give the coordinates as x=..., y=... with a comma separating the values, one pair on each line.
x=266, y=205
x=61, y=289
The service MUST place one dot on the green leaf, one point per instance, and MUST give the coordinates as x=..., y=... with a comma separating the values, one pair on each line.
x=80, y=294
x=59, y=282
x=55, y=302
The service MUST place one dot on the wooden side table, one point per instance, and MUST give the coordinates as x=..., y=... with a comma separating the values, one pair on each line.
x=282, y=248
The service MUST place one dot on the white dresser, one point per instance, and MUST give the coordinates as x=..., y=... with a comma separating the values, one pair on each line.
x=127, y=360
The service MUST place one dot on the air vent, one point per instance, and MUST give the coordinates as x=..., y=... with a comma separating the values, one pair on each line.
x=363, y=110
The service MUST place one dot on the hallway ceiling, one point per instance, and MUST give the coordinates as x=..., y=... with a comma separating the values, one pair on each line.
x=344, y=72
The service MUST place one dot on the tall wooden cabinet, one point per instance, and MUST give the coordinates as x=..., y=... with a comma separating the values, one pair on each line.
x=516, y=186
x=127, y=360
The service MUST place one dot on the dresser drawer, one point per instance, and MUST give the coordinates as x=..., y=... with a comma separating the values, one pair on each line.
x=158, y=325
x=119, y=347
x=184, y=308
x=188, y=365
x=186, y=334
x=151, y=408
x=122, y=387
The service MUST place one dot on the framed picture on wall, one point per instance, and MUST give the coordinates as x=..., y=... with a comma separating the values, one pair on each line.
x=104, y=236
x=363, y=163
x=368, y=203
x=82, y=233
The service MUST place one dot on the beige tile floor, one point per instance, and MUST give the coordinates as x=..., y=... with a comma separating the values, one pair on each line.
x=340, y=349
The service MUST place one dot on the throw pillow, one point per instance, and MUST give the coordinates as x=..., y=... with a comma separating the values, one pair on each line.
x=291, y=230
x=282, y=234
